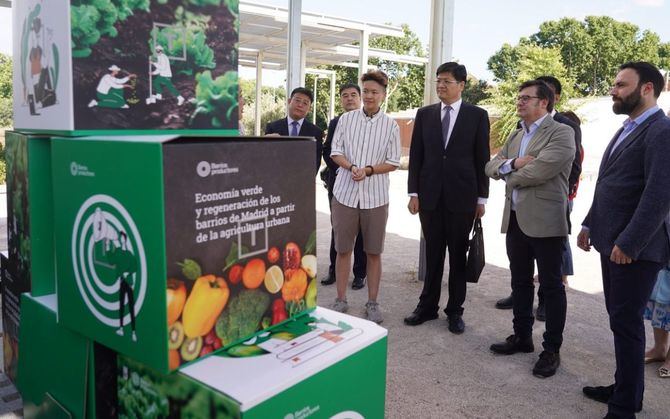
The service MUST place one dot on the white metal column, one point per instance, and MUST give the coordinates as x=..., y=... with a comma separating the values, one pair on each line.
x=363, y=54
x=331, y=109
x=293, y=69
x=441, y=43
x=259, y=86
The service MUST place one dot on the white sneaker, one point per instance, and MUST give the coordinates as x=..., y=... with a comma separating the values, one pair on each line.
x=92, y=103
x=340, y=305
x=125, y=107
x=158, y=96
x=119, y=331
x=180, y=100
x=134, y=337
x=373, y=312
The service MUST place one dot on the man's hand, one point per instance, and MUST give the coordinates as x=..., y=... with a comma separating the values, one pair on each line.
x=479, y=212
x=357, y=173
x=619, y=257
x=583, y=241
x=522, y=161
x=413, y=205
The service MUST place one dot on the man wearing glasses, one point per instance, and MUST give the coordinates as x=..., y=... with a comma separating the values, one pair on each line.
x=448, y=189
x=535, y=163
x=295, y=124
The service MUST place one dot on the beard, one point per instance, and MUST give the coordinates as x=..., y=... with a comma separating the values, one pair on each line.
x=626, y=105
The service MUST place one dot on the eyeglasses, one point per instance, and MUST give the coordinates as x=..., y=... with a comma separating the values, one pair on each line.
x=525, y=99
x=445, y=81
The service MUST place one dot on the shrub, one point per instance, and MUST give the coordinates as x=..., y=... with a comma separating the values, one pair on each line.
x=217, y=98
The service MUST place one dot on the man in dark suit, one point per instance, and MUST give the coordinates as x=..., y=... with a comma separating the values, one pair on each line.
x=295, y=124
x=350, y=98
x=627, y=225
x=448, y=188
x=573, y=180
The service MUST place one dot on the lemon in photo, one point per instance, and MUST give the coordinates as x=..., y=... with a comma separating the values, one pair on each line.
x=274, y=279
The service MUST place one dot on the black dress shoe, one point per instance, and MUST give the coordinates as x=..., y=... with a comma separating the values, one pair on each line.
x=330, y=279
x=505, y=303
x=602, y=394
x=418, y=317
x=456, y=324
x=541, y=313
x=547, y=365
x=512, y=345
x=358, y=283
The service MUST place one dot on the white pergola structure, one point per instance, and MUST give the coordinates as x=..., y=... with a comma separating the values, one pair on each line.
x=290, y=39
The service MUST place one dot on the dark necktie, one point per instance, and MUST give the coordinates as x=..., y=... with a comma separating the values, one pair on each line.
x=294, y=129
x=445, y=125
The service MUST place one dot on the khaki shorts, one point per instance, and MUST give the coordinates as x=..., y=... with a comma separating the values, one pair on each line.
x=347, y=221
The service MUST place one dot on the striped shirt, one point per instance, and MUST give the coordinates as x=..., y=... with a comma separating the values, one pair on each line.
x=365, y=141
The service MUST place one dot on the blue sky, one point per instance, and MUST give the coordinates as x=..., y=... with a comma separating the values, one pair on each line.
x=480, y=27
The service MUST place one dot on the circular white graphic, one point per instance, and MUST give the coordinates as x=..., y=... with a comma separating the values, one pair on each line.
x=204, y=169
x=107, y=249
x=73, y=168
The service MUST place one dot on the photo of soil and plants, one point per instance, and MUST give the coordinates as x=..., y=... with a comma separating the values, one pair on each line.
x=155, y=64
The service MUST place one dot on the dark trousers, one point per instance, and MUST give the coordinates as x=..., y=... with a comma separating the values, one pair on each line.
x=360, y=258
x=126, y=293
x=627, y=289
x=523, y=251
x=444, y=229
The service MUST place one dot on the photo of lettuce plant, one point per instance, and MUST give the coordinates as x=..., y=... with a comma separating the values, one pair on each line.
x=155, y=64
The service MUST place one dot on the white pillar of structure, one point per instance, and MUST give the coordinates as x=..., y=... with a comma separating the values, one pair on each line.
x=441, y=43
x=259, y=86
x=363, y=54
x=331, y=109
x=293, y=69
x=316, y=80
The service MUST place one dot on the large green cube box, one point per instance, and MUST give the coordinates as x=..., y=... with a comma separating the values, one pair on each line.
x=81, y=66
x=209, y=239
x=31, y=265
x=53, y=366
x=303, y=368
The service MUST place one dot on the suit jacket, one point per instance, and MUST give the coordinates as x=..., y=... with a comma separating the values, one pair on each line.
x=576, y=169
x=542, y=184
x=327, y=147
x=632, y=196
x=456, y=173
x=307, y=129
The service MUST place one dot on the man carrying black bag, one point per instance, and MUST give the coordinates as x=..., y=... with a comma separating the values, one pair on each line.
x=448, y=189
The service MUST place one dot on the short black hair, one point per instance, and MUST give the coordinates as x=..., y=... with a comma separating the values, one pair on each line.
x=542, y=90
x=377, y=76
x=648, y=73
x=457, y=70
x=346, y=86
x=552, y=81
x=304, y=91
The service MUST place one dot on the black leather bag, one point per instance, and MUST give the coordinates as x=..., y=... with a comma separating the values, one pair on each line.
x=476, y=259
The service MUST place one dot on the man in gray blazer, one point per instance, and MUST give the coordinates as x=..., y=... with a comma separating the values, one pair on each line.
x=535, y=163
x=627, y=224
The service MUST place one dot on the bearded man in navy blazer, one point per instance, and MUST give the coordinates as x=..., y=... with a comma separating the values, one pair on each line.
x=448, y=188
x=295, y=124
x=627, y=225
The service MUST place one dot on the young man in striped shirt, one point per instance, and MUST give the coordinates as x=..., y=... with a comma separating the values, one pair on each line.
x=366, y=147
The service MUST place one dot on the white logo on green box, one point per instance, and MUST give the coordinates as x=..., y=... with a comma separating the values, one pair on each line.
x=109, y=262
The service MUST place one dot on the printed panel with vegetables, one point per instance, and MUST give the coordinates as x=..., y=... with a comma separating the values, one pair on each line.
x=242, y=250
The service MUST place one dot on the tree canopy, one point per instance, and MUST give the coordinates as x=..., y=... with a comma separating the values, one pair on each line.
x=590, y=50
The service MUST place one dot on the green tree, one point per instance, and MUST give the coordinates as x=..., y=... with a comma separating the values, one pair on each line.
x=533, y=61
x=273, y=105
x=476, y=91
x=6, y=83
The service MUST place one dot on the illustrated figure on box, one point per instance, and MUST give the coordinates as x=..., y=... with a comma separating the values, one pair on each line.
x=162, y=78
x=116, y=256
x=39, y=67
x=110, y=90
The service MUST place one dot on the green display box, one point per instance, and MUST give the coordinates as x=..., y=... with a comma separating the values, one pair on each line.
x=133, y=66
x=54, y=363
x=30, y=234
x=171, y=248
x=303, y=368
